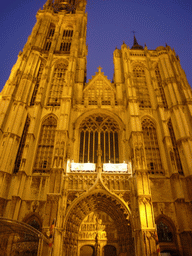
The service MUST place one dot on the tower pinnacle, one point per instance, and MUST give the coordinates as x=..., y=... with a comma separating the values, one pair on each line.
x=136, y=45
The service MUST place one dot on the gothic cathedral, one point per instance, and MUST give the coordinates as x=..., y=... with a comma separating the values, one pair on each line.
x=97, y=168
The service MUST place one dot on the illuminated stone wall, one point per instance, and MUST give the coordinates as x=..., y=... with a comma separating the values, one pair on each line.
x=51, y=118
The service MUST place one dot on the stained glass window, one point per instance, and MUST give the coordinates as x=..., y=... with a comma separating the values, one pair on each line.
x=164, y=232
x=95, y=130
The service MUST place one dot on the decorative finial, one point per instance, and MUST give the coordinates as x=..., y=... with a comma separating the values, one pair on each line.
x=99, y=69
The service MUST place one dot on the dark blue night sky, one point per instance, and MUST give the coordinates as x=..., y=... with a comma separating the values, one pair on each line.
x=110, y=22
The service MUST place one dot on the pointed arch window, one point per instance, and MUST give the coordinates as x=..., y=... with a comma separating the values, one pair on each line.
x=57, y=84
x=21, y=146
x=153, y=158
x=175, y=148
x=39, y=75
x=49, y=38
x=45, y=148
x=140, y=84
x=66, y=41
x=34, y=222
x=95, y=130
x=161, y=90
x=164, y=232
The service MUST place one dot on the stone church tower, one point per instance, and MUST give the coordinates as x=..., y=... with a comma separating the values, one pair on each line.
x=97, y=168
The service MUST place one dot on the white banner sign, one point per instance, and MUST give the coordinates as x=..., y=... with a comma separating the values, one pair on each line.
x=87, y=167
x=117, y=168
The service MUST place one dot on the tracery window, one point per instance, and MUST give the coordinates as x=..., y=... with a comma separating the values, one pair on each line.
x=39, y=75
x=161, y=90
x=21, y=146
x=66, y=41
x=153, y=158
x=95, y=130
x=140, y=83
x=49, y=38
x=45, y=145
x=57, y=84
x=164, y=232
x=175, y=148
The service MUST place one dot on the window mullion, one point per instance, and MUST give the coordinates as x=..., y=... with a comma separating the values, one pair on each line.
x=104, y=155
x=94, y=147
x=114, y=146
x=88, y=146
x=84, y=146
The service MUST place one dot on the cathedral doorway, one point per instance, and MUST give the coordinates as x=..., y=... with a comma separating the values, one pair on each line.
x=87, y=250
x=99, y=224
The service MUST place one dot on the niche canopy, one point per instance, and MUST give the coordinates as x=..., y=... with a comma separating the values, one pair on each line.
x=67, y=5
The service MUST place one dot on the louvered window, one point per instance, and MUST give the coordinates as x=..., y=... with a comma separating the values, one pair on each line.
x=153, y=158
x=21, y=146
x=66, y=41
x=175, y=148
x=39, y=75
x=140, y=84
x=57, y=83
x=49, y=38
x=161, y=90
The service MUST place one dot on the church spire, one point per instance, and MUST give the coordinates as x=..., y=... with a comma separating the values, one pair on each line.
x=136, y=45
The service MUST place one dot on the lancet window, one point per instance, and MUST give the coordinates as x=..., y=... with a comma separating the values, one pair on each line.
x=153, y=158
x=99, y=132
x=57, y=84
x=175, y=148
x=140, y=83
x=66, y=41
x=161, y=90
x=39, y=75
x=45, y=148
x=21, y=146
x=49, y=38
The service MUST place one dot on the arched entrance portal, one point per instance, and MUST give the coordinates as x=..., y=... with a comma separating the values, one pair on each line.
x=100, y=221
x=87, y=250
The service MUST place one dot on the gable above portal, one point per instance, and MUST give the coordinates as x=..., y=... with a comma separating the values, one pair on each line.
x=99, y=89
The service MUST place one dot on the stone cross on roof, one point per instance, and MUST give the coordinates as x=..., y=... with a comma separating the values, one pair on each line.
x=99, y=69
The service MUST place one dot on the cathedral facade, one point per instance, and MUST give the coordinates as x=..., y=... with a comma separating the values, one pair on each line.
x=94, y=168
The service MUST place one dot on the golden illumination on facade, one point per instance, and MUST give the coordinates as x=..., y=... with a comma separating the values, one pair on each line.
x=96, y=168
